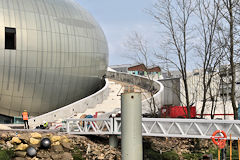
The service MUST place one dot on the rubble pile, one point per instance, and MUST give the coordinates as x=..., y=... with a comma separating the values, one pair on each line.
x=96, y=151
x=62, y=146
x=180, y=145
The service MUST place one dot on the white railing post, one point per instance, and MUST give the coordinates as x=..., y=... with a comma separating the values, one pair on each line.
x=68, y=128
x=112, y=125
x=116, y=126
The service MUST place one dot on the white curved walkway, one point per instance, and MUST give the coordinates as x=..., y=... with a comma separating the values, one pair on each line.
x=113, y=101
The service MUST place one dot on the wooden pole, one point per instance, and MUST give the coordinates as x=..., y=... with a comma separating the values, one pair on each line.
x=219, y=153
x=230, y=146
x=238, y=149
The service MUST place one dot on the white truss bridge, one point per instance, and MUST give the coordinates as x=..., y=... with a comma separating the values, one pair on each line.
x=158, y=127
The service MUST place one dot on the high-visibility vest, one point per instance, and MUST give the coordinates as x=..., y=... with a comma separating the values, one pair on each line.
x=45, y=124
x=25, y=115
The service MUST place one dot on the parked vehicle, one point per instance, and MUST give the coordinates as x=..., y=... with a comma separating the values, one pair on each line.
x=177, y=112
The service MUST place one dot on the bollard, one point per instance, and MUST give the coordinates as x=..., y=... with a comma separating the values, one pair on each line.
x=230, y=147
x=131, y=127
x=219, y=156
x=238, y=148
x=113, y=141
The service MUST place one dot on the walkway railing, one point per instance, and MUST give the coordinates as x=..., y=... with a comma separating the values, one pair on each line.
x=158, y=127
x=90, y=126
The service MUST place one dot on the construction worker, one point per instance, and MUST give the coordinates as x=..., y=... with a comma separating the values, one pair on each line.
x=45, y=124
x=25, y=119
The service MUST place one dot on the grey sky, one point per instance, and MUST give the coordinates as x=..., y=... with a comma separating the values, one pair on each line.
x=118, y=19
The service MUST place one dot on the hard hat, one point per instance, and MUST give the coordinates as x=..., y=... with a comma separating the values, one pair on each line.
x=25, y=110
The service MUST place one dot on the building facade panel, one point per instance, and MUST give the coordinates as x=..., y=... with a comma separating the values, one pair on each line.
x=60, y=55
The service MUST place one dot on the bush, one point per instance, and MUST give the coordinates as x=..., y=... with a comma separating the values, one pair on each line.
x=192, y=156
x=6, y=154
x=77, y=154
x=169, y=156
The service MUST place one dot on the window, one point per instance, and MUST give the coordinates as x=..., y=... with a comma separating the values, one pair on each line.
x=141, y=73
x=10, y=38
x=196, y=73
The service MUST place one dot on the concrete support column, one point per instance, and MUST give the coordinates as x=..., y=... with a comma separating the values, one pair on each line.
x=113, y=141
x=131, y=117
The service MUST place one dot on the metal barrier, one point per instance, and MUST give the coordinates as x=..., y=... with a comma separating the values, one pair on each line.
x=158, y=127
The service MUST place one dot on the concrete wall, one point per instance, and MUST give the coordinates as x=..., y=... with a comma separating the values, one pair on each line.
x=96, y=98
x=144, y=83
x=74, y=108
x=171, y=91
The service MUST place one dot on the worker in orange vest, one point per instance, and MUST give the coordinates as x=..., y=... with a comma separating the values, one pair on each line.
x=25, y=119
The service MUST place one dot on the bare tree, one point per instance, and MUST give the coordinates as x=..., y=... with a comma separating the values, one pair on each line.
x=174, y=16
x=141, y=55
x=229, y=41
x=140, y=48
x=214, y=91
x=207, y=48
x=223, y=96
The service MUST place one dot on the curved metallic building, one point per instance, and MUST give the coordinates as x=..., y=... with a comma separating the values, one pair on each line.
x=52, y=53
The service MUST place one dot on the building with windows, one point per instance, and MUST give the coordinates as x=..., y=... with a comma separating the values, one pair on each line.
x=142, y=70
x=52, y=53
x=139, y=69
x=218, y=95
x=225, y=77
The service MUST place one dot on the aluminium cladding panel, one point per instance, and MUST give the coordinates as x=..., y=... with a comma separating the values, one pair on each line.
x=61, y=55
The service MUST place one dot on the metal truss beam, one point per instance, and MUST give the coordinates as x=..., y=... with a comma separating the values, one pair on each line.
x=159, y=127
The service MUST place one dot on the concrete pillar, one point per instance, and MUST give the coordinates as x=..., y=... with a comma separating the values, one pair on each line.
x=131, y=117
x=113, y=141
